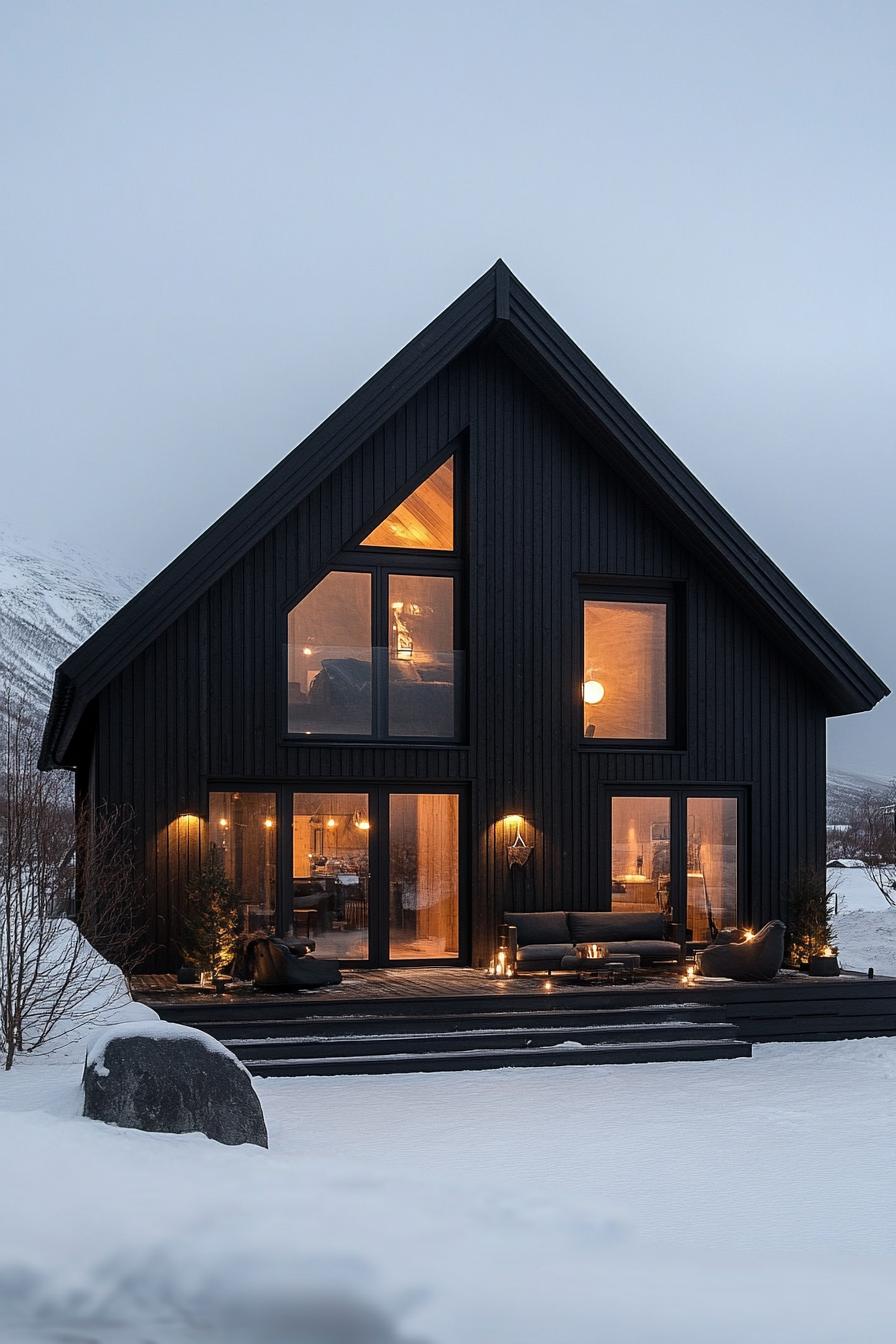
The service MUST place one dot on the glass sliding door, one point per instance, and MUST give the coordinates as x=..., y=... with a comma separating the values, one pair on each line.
x=243, y=833
x=331, y=872
x=641, y=866
x=423, y=875
x=712, y=863
x=679, y=853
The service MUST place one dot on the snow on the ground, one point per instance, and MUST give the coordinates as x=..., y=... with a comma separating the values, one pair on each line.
x=865, y=925
x=531, y=1205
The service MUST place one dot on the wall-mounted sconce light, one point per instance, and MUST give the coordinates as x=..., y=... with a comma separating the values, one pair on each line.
x=269, y=823
x=517, y=851
x=593, y=691
x=360, y=822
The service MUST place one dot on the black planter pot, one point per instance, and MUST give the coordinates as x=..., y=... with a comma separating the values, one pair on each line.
x=824, y=966
x=187, y=975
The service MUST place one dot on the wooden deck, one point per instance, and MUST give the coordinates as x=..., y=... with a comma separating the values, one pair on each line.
x=423, y=1019
x=457, y=982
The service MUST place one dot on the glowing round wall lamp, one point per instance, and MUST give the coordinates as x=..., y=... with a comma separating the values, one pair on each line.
x=593, y=692
x=269, y=823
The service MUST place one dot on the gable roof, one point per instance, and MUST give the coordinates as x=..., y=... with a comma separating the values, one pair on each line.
x=500, y=305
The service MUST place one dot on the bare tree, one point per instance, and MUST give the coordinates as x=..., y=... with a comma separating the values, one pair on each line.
x=879, y=821
x=57, y=974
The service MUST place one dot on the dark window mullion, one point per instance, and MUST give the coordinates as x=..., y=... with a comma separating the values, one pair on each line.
x=380, y=666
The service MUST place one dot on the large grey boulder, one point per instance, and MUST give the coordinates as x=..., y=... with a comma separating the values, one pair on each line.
x=172, y=1079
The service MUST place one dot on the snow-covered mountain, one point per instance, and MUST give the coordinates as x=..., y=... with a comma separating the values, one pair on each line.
x=845, y=789
x=52, y=596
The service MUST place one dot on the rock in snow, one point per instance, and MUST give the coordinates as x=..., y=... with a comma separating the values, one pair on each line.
x=174, y=1080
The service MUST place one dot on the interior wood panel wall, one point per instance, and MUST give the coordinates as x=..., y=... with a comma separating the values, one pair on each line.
x=203, y=702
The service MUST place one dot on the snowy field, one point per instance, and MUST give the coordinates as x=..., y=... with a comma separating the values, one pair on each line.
x=865, y=926
x=468, y=1207
x=642, y=1203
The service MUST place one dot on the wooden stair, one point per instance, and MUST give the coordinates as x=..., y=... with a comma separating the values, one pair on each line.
x=277, y=1042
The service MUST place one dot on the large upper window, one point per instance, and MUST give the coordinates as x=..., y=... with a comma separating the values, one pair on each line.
x=330, y=657
x=421, y=655
x=625, y=670
x=424, y=521
x=371, y=649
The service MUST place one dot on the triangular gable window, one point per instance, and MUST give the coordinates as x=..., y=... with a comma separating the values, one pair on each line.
x=424, y=521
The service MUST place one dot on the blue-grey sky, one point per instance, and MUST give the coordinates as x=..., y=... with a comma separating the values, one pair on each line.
x=219, y=219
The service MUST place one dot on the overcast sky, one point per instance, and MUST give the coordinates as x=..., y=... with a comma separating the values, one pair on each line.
x=219, y=219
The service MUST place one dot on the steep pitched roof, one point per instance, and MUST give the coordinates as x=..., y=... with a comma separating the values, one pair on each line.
x=498, y=304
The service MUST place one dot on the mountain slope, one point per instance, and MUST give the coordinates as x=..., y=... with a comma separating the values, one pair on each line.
x=52, y=596
x=845, y=789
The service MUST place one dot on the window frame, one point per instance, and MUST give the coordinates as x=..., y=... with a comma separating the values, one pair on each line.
x=380, y=563
x=669, y=595
x=378, y=792
x=407, y=489
x=678, y=793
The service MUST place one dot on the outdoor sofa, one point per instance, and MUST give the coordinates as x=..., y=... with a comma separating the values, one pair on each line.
x=546, y=940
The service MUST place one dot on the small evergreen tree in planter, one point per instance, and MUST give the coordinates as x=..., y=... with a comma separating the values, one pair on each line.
x=212, y=916
x=809, y=914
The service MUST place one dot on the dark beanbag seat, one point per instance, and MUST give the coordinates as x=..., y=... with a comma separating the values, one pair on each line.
x=759, y=958
x=275, y=968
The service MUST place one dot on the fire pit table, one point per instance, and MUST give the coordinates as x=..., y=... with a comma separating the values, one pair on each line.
x=611, y=968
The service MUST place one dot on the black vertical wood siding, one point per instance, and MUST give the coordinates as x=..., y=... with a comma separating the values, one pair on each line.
x=203, y=702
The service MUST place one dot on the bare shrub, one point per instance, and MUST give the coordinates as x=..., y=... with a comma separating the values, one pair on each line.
x=58, y=973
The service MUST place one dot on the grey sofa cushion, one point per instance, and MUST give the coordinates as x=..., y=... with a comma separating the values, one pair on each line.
x=542, y=926
x=543, y=956
x=599, y=926
x=649, y=949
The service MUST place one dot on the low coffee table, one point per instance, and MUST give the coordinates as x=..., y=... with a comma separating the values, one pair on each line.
x=616, y=968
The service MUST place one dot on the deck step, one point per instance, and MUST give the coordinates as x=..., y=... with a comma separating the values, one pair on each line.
x=457, y=1042
x=228, y=1028
x=537, y=1057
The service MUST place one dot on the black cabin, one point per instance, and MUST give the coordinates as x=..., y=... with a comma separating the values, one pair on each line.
x=481, y=615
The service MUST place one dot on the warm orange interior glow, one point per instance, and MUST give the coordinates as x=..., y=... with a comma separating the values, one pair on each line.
x=625, y=648
x=424, y=521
